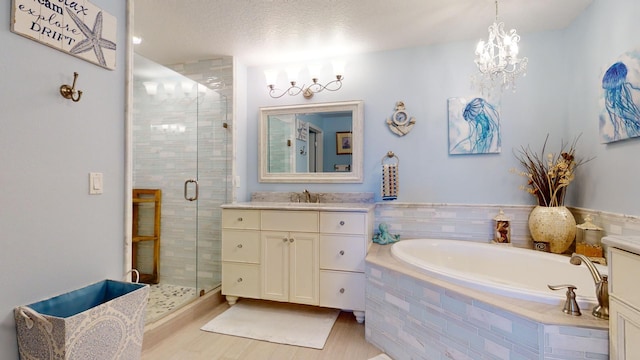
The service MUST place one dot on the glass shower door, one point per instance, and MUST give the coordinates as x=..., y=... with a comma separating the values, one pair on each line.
x=165, y=157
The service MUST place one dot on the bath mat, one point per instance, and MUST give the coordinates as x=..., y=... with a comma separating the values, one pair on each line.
x=381, y=357
x=281, y=323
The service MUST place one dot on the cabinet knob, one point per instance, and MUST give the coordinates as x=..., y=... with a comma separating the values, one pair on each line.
x=285, y=239
x=342, y=223
x=342, y=291
x=341, y=252
x=291, y=240
x=239, y=246
x=239, y=280
x=239, y=219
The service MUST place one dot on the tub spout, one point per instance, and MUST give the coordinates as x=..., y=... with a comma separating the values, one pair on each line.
x=602, y=286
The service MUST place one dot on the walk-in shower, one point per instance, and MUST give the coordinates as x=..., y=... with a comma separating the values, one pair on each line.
x=181, y=144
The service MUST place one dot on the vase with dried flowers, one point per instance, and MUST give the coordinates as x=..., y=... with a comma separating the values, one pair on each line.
x=548, y=177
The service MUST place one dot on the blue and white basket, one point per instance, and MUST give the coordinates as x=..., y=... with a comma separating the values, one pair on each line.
x=104, y=320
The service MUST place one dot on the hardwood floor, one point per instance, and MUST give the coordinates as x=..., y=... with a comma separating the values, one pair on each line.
x=346, y=341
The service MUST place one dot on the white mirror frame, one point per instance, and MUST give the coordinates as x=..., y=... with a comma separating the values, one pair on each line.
x=357, y=129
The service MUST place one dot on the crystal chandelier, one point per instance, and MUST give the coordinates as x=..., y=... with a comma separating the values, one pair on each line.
x=497, y=59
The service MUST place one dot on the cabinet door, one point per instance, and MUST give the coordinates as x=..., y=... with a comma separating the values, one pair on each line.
x=304, y=275
x=624, y=328
x=275, y=265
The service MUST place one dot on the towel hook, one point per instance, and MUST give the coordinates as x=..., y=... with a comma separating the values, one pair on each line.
x=68, y=92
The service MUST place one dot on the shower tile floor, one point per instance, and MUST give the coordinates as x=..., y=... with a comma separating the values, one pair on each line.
x=165, y=298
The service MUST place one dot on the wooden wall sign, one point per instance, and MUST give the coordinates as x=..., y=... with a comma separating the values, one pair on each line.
x=77, y=27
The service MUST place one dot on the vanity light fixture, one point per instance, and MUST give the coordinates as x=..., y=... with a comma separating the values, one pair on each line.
x=306, y=91
x=497, y=59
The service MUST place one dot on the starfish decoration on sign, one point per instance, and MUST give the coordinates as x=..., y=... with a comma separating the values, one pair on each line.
x=93, y=39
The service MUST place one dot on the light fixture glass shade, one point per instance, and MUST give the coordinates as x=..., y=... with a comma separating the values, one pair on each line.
x=314, y=70
x=271, y=76
x=150, y=87
x=169, y=88
x=292, y=73
x=338, y=67
x=186, y=87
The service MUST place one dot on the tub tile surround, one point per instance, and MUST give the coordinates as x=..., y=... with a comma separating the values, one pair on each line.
x=475, y=222
x=413, y=316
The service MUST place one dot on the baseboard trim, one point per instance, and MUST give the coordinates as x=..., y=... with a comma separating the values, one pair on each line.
x=161, y=329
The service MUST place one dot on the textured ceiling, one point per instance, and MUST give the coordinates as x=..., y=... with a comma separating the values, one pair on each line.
x=259, y=32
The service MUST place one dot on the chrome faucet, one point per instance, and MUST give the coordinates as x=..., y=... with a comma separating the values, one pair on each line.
x=307, y=195
x=602, y=286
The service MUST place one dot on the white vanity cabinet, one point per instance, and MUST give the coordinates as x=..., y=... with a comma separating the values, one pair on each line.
x=313, y=256
x=290, y=258
x=624, y=297
x=344, y=240
x=241, y=254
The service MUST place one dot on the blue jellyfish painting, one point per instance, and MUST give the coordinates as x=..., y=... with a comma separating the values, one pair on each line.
x=622, y=117
x=474, y=128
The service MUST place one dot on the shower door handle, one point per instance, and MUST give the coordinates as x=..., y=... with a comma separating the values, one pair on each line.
x=186, y=187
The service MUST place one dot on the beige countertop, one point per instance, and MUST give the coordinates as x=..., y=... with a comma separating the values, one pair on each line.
x=626, y=243
x=258, y=205
x=540, y=312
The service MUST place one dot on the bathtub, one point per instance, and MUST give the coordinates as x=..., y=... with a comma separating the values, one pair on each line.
x=503, y=270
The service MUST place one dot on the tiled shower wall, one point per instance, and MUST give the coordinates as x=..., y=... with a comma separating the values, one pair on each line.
x=165, y=159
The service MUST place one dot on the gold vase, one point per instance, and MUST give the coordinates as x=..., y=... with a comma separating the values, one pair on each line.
x=554, y=225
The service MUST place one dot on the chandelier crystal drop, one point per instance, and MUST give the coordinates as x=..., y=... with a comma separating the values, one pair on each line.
x=497, y=59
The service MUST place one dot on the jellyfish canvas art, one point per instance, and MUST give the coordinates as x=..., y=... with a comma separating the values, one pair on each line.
x=620, y=100
x=474, y=126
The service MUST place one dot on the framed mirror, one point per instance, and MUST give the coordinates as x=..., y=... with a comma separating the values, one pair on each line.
x=314, y=143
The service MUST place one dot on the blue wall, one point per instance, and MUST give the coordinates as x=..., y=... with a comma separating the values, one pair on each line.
x=559, y=96
x=54, y=236
x=607, y=30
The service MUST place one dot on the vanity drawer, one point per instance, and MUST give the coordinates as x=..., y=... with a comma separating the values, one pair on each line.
x=241, y=280
x=241, y=245
x=343, y=223
x=342, y=252
x=342, y=290
x=624, y=276
x=276, y=220
x=241, y=219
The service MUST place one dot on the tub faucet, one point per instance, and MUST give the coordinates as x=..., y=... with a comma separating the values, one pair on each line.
x=601, y=310
x=307, y=195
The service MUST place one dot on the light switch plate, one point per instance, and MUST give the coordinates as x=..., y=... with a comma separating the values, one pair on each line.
x=95, y=183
